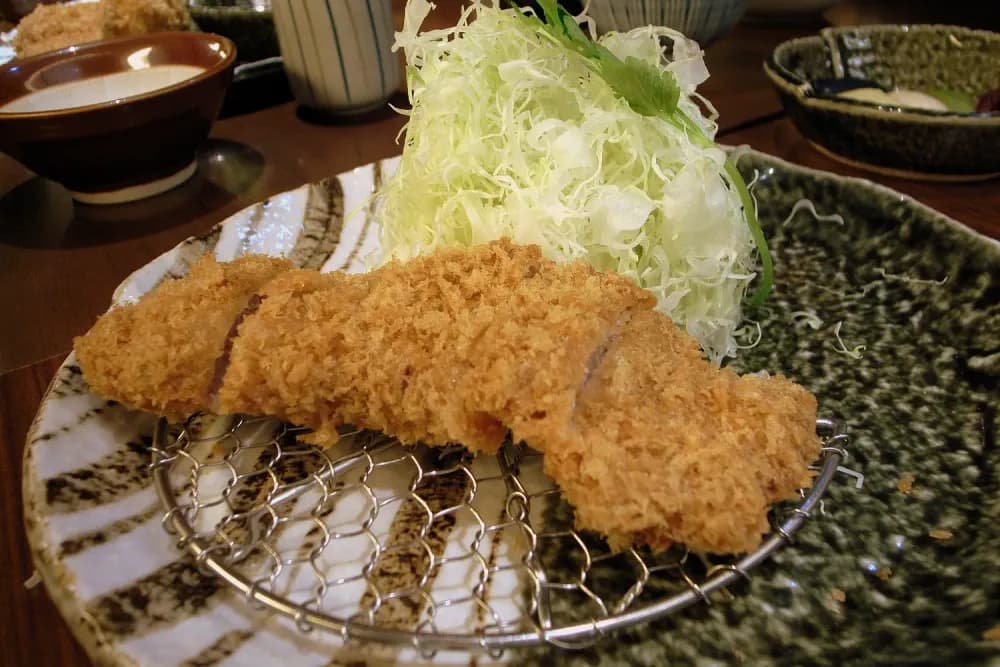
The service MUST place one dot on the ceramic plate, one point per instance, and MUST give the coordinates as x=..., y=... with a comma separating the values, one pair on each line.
x=889, y=312
x=898, y=141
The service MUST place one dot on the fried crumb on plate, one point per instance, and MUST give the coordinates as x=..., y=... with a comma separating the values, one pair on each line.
x=941, y=534
x=905, y=484
x=838, y=595
x=993, y=634
x=884, y=573
x=52, y=27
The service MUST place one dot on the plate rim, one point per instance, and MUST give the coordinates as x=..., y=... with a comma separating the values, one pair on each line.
x=57, y=578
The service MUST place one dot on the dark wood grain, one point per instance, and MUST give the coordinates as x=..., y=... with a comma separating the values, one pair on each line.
x=31, y=630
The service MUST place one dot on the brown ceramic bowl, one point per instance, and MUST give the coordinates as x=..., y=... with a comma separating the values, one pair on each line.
x=115, y=120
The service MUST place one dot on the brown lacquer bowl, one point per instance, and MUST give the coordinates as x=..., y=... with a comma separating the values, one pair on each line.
x=115, y=120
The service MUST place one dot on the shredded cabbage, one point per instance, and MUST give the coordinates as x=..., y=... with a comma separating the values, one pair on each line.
x=840, y=346
x=511, y=134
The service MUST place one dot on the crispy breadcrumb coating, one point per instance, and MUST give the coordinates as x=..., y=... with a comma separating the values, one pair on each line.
x=56, y=26
x=664, y=447
x=650, y=443
x=458, y=346
x=52, y=27
x=160, y=354
x=121, y=18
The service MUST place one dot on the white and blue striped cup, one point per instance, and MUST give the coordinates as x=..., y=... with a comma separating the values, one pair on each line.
x=337, y=53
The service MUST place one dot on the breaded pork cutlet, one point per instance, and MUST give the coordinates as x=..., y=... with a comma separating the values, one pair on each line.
x=52, y=27
x=649, y=442
x=120, y=18
x=459, y=346
x=664, y=447
x=55, y=26
x=160, y=355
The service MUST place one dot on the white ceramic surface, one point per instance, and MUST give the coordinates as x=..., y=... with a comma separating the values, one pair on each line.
x=136, y=192
x=701, y=20
x=338, y=53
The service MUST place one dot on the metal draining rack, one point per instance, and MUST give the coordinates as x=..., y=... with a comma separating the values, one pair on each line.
x=425, y=548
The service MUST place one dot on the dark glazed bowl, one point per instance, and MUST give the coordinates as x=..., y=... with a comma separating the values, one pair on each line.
x=115, y=120
x=913, y=143
x=249, y=23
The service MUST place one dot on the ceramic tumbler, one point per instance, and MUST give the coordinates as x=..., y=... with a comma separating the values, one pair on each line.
x=338, y=53
x=701, y=20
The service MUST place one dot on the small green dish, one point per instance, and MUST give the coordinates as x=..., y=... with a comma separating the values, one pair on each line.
x=899, y=141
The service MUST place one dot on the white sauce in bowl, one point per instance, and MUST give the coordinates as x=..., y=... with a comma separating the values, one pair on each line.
x=900, y=97
x=99, y=89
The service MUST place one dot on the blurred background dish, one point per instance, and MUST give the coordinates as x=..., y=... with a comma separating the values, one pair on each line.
x=249, y=23
x=701, y=20
x=34, y=27
x=340, y=66
x=50, y=26
x=927, y=127
x=115, y=120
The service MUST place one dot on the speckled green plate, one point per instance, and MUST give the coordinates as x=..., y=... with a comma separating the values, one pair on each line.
x=890, y=314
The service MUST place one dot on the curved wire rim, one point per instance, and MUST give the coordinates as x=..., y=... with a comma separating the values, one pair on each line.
x=306, y=619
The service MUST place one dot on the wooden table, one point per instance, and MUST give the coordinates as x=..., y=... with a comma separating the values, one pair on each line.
x=59, y=265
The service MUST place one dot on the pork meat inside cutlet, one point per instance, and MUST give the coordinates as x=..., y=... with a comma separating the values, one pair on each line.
x=649, y=442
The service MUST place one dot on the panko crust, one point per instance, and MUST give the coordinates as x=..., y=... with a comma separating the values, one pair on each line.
x=667, y=448
x=50, y=27
x=457, y=346
x=121, y=18
x=159, y=354
x=53, y=27
x=649, y=442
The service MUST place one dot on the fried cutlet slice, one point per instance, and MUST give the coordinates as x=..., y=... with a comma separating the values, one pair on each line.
x=120, y=18
x=650, y=443
x=160, y=354
x=53, y=27
x=663, y=447
x=457, y=346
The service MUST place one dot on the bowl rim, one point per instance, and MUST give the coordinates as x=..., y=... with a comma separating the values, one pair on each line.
x=787, y=80
x=196, y=7
x=70, y=52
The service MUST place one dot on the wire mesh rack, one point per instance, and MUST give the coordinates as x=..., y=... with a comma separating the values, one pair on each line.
x=428, y=548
